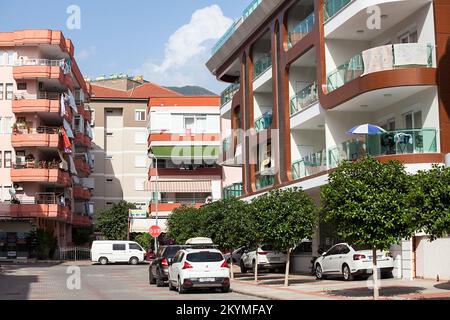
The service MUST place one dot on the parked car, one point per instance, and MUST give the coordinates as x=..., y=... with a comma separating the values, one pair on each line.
x=347, y=261
x=158, y=270
x=116, y=251
x=150, y=255
x=268, y=259
x=199, y=268
x=236, y=254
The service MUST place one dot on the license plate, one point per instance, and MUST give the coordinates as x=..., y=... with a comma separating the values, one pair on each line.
x=275, y=259
x=207, y=279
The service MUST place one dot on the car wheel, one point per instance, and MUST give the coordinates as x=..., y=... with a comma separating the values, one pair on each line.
x=225, y=289
x=243, y=269
x=134, y=261
x=103, y=261
x=171, y=287
x=318, y=272
x=151, y=278
x=387, y=275
x=347, y=273
x=159, y=282
x=181, y=289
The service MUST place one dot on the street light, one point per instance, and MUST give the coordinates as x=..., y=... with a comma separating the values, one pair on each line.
x=155, y=159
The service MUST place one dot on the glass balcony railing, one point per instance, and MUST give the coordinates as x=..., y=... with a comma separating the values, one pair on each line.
x=301, y=30
x=261, y=65
x=228, y=94
x=331, y=7
x=233, y=191
x=250, y=8
x=264, y=181
x=226, y=144
x=406, y=141
x=310, y=165
x=400, y=56
x=264, y=122
x=304, y=98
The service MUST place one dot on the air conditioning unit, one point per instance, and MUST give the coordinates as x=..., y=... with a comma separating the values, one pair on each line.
x=18, y=186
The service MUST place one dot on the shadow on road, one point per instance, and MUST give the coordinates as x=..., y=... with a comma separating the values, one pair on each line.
x=368, y=292
x=14, y=287
x=443, y=286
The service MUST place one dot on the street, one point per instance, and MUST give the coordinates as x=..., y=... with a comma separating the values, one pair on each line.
x=111, y=282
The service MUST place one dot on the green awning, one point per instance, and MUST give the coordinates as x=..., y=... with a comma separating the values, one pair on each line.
x=185, y=152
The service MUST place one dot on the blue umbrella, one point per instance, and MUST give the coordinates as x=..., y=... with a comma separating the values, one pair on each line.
x=366, y=129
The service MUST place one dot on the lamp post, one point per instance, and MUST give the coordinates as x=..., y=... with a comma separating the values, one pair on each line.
x=153, y=157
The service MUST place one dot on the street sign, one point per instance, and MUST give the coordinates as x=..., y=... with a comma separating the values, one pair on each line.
x=137, y=214
x=154, y=231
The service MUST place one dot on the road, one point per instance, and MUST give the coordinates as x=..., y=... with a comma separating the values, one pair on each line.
x=111, y=282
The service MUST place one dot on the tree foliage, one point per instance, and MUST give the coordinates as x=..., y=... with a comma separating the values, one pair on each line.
x=113, y=222
x=368, y=202
x=145, y=240
x=430, y=202
x=184, y=223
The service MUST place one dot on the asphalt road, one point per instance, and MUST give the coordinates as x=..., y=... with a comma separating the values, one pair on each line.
x=91, y=282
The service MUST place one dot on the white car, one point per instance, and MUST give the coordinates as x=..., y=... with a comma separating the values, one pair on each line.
x=268, y=259
x=342, y=259
x=117, y=251
x=199, y=268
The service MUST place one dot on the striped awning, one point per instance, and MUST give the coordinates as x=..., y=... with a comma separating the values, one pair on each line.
x=180, y=186
x=185, y=152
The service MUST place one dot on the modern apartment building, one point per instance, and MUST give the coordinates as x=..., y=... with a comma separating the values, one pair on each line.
x=303, y=72
x=184, y=142
x=119, y=105
x=45, y=140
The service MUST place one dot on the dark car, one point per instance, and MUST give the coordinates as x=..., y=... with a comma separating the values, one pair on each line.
x=158, y=271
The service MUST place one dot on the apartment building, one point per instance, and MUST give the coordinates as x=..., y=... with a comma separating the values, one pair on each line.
x=119, y=105
x=45, y=140
x=184, y=142
x=303, y=72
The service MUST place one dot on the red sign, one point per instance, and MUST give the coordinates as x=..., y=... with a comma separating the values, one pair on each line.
x=154, y=231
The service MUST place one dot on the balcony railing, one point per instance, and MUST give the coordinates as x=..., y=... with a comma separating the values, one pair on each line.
x=310, y=165
x=301, y=30
x=228, y=94
x=261, y=65
x=185, y=201
x=304, y=98
x=38, y=96
x=247, y=12
x=264, y=122
x=332, y=7
x=400, y=56
x=36, y=164
x=406, y=141
x=40, y=62
x=264, y=181
x=44, y=198
x=233, y=191
x=38, y=130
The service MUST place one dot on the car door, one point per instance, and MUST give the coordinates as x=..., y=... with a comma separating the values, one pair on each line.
x=176, y=266
x=120, y=252
x=328, y=262
x=340, y=257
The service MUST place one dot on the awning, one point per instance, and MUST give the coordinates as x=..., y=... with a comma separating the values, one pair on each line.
x=143, y=225
x=180, y=186
x=185, y=152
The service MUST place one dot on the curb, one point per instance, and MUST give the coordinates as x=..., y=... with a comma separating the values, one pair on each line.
x=257, y=295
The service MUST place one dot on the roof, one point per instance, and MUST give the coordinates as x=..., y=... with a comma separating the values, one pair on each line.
x=186, y=101
x=144, y=91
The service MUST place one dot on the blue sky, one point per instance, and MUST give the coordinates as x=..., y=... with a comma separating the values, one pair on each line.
x=166, y=41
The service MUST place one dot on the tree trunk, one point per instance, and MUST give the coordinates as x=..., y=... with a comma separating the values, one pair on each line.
x=256, y=265
x=288, y=262
x=376, y=290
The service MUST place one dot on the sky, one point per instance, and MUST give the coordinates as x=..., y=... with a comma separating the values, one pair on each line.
x=168, y=42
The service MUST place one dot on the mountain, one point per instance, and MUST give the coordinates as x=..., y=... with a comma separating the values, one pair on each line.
x=192, y=91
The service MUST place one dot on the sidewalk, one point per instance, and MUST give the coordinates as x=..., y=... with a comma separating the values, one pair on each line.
x=271, y=286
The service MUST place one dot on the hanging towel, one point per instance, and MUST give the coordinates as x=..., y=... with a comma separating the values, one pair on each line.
x=63, y=164
x=72, y=103
x=63, y=106
x=411, y=54
x=73, y=170
x=68, y=129
x=378, y=59
x=66, y=142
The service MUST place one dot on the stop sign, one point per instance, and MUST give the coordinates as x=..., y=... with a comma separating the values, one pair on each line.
x=154, y=231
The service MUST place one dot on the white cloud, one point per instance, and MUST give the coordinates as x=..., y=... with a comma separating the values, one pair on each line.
x=187, y=51
x=86, y=53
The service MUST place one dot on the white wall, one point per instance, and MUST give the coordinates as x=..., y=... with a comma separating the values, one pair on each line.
x=263, y=102
x=299, y=78
x=313, y=138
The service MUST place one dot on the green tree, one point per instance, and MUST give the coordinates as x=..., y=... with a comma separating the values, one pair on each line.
x=184, y=223
x=81, y=236
x=145, y=240
x=44, y=243
x=430, y=202
x=368, y=202
x=113, y=222
x=285, y=218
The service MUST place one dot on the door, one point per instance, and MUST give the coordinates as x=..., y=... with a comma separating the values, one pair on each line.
x=340, y=257
x=135, y=250
x=329, y=262
x=120, y=253
x=174, y=269
x=433, y=258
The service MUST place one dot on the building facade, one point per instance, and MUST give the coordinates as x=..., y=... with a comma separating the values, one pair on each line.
x=119, y=124
x=303, y=72
x=45, y=140
x=184, y=142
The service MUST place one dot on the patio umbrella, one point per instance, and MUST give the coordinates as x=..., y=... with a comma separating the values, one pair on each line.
x=366, y=129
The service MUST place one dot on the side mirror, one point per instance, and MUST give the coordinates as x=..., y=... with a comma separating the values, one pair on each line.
x=324, y=254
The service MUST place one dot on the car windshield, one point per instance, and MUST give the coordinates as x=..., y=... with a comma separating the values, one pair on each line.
x=204, y=256
x=170, y=252
x=267, y=247
x=361, y=247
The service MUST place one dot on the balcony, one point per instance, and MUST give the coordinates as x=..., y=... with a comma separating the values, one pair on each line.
x=233, y=191
x=304, y=98
x=81, y=221
x=43, y=69
x=170, y=205
x=310, y=165
x=264, y=122
x=41, y=172
x=44, y=137
x=399, y=142
x=261, y=66
x=398, y=56
x=82, y=140
x=42, y=102
x=44, y=205
x=83, y=166
x=264, y=181
x=228, y=94
x=80, y=193
x=301, y=30
x=332, y=7
x=198, y=171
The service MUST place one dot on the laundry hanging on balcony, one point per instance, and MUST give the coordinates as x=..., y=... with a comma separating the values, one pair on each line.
x=90, y=159
x=68, y=129
x=89, y=130
x=71, y=101
x=378, y=59
x=63, y=106
x=410, y=54
x=66, y=142
x=63, y=164
x=73, y=170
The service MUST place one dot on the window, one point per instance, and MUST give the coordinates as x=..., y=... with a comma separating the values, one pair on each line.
x=204, y=256
x=119, y=247
x=2, y=60
x=140, y=137
x=409, y=37
x=1, y=90
x=1, y=162
x=139, y=115
x=140, y=161
x=22, y=86
x=135, y=246
x=139, y=184
x=390, y=125
x=9, y=91
x=11, y=58
x=8, y=159
x=6, y=125
x=201, y=123
x=189, y=122
x=413, y=120
x=109, y=180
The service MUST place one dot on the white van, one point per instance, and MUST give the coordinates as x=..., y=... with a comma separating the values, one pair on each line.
x=116, y=251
